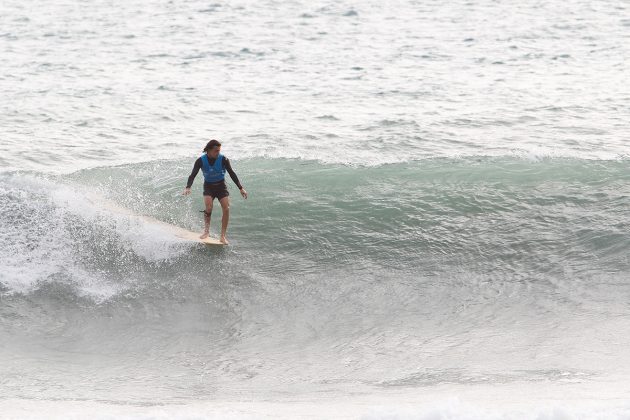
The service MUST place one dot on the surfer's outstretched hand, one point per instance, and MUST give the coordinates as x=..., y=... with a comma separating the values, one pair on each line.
x=186, y=191
x=243, y=193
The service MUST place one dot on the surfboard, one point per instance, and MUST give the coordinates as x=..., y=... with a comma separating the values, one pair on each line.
x=180, y=232
x=177, y=231
x=187, y=235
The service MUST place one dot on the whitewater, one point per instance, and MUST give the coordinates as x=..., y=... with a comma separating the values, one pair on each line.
x=437, y=224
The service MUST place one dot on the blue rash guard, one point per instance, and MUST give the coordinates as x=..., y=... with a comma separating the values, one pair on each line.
x=224, y=166
x=212, y=173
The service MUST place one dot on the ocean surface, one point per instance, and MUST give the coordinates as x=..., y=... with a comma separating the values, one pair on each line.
x=438, y=221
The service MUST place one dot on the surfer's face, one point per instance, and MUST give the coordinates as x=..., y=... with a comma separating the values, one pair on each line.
x=214, y=152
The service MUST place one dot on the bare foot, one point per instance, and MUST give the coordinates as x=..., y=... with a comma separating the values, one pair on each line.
x=223, y=240
x=204, y=236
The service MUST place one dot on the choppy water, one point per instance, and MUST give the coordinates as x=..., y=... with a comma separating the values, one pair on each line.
x=437, y=224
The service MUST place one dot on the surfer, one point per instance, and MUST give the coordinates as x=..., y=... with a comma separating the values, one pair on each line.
x=214, y=164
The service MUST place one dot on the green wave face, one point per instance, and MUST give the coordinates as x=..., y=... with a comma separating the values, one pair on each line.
x=508, y=216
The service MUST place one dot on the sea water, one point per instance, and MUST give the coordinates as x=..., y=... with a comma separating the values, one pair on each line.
x=437, y=225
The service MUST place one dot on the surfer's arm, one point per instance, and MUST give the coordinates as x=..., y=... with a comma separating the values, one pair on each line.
x=194, y=173
x=228, y=167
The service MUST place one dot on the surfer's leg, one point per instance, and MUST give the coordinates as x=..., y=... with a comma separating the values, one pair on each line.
x=206, y=216
x=225, y=206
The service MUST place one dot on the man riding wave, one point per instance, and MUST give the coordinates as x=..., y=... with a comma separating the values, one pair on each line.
x=213, y=165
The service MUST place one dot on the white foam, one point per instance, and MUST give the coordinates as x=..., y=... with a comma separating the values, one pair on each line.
x=149, y=240
x=26, y=264
x=370, y=407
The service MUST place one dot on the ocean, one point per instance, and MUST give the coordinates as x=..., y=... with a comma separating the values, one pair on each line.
x=437, y=225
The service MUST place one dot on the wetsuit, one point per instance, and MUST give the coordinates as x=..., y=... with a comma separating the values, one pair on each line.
x=216, y=190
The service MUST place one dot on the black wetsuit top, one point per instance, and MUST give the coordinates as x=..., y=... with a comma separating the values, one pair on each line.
x=226, y=165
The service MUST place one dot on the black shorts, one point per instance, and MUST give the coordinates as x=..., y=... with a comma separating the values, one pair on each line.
x=216, y=190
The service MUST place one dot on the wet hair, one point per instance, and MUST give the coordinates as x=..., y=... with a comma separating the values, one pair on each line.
x=211, y=145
